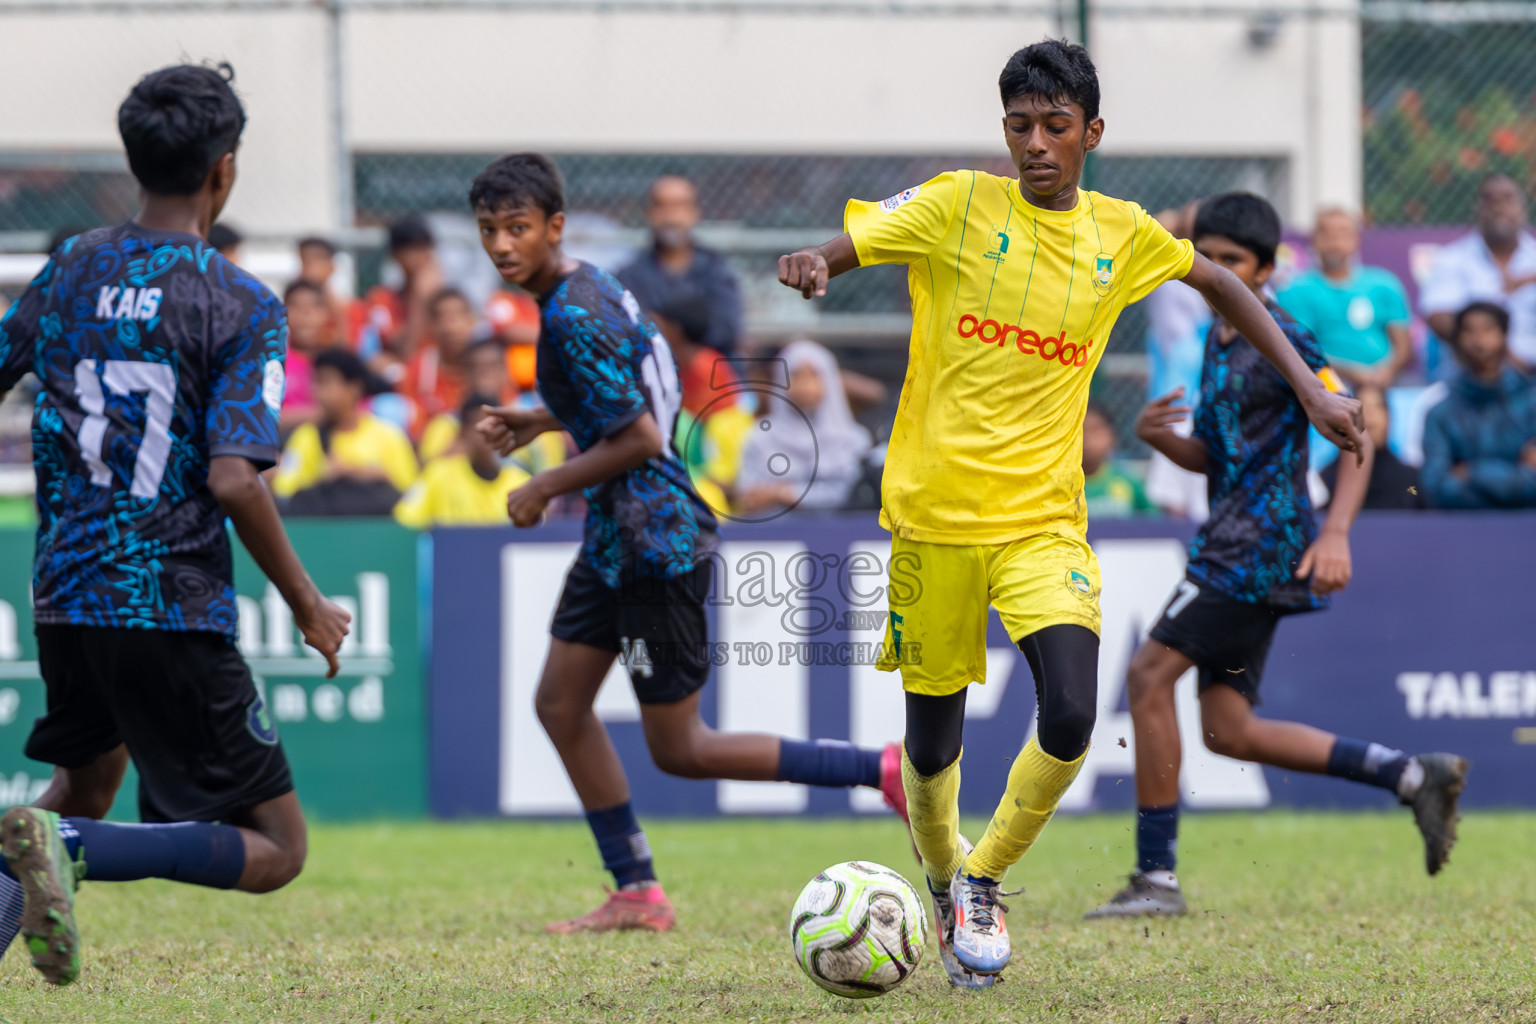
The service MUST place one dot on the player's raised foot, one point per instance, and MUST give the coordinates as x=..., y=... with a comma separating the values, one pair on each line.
x=894, y=792
x=1142, y=897
x=1434, y=805
x=944, y=931
x=29, y=840
x=980, y=934
x=644, y=908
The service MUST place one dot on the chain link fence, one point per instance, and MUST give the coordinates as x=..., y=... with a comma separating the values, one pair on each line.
x=1448, y=95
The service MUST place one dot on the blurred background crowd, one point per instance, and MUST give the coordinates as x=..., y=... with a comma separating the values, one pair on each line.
x=1399, y=141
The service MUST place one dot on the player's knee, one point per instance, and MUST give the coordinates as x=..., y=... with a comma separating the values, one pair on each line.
x=278, y=872
x=557, y=715
x=1142, y=683
x=1066, y=732
x=682, y=760
x=1226, y=739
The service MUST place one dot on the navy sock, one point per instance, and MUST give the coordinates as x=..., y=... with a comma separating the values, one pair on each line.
x=194, y=852
x=1157, y=838
x=1366, y=762
x=828, y=763
x=626, y=852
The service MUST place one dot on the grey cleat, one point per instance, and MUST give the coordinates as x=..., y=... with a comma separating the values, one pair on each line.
x=1141, y=898
x=1434, y=805
x=944, y=931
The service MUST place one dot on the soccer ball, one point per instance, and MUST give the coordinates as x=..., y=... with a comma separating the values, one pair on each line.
x=858, y=929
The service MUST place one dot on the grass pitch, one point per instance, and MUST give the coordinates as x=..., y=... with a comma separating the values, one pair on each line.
x=1294, y=918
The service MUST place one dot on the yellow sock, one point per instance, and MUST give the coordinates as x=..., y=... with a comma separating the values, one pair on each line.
x=1035, y=786
x=933, y=805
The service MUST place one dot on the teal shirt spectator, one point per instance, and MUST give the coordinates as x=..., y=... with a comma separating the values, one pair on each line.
x=1349, y=318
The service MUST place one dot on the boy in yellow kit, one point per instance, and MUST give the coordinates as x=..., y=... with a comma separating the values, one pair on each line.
x=1015, y=286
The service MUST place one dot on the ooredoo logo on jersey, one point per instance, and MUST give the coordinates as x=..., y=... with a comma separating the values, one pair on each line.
x=1053, y=348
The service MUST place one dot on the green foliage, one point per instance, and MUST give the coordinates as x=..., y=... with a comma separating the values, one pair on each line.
x=1444, y=107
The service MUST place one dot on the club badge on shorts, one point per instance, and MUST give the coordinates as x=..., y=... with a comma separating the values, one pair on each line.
x=1081, y=585
x=259, y=721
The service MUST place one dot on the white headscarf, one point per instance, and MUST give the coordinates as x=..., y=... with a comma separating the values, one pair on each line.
x=826, y=442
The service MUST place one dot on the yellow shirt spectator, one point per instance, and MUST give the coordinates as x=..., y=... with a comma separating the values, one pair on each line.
x=451, y=493
x=371, y=445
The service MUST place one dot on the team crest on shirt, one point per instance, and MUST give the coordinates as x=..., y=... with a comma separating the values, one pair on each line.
x=1103, y=273
x=998, y=250
x=900, y=199
x=1081, y=585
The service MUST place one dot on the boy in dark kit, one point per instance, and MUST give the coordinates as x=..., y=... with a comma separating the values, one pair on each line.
x=1258, y=558
x=638, y=586
x=161, y=365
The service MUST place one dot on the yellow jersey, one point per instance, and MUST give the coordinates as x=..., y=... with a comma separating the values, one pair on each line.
x=372, y=444
x=451, y=493
x=1012, y=307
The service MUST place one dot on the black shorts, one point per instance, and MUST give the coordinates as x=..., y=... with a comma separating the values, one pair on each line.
x=656, y=626
x=184, y=703
x=1228, y=640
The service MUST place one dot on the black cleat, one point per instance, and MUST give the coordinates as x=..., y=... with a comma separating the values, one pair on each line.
x=1434, y=805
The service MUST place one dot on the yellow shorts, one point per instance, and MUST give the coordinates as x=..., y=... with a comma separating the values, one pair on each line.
x=936, y=632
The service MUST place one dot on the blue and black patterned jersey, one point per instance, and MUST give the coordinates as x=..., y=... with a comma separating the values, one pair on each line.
x=154, y=354
x=1255, y=433
x=602, y=365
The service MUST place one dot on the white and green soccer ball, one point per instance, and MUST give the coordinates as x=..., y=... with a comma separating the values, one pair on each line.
x=858, y=929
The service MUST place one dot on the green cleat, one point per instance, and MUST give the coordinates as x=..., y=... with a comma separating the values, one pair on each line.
x=29, y=840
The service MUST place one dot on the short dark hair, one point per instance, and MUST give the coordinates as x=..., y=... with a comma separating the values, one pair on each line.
x=345, y=363
x=690, y=313
x=300, y=285
x=409, y=232
x=317, y=242
x=1099, y=409
x=517, y=181
x=221, y=236
x=442, y=295
x=1499, y=314
x=177, y=123
x=1060, y=71
x=1243, y=217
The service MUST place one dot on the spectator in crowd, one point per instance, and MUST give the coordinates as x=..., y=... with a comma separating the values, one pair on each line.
x=675, y=266
x=703, y=372
x=514, y=319
x=398, y=319
x=1496, y=263
x=1480, y=443
x=309, y=319
x=227, y=241
x=317, y=265
x=1108, y=490
x=435, y=373
x=1358, y=314
x=485, y=374
x=466, y=486
x=1394, y=484
x=810, y=450
x=1177, y=322
x=348, y=456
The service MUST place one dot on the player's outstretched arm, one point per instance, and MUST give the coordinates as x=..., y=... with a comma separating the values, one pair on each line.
x=1327, y=560
x=808, y=270
x=240, y=492
x=620, y=452
x=1337, y=417
x=1154, y=425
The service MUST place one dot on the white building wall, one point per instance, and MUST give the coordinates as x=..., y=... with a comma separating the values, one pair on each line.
x=754, y=80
